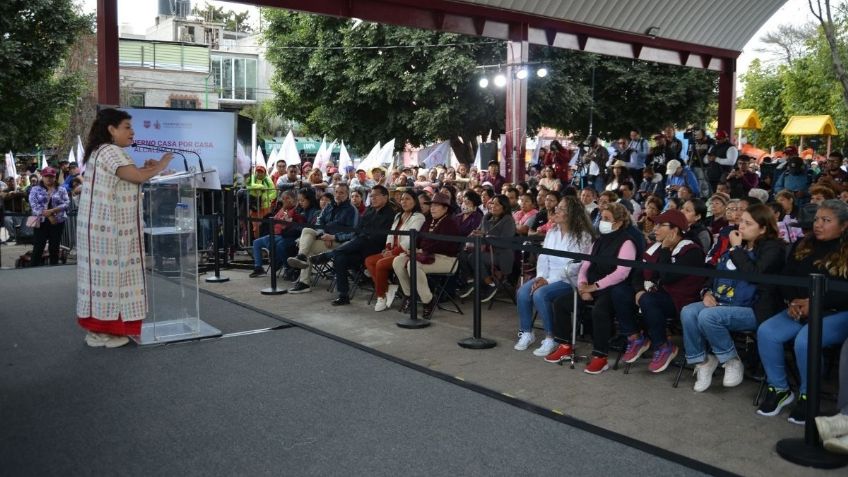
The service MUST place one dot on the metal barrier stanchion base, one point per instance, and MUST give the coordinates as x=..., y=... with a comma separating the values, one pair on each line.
x=273, y=291
x=411, y=324
x=797, y=451
x=218, y=279
x=477, y=343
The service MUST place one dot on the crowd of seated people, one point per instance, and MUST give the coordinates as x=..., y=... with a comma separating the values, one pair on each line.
x=718, y=213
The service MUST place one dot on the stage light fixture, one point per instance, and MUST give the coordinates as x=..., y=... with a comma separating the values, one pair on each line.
x=500, y=80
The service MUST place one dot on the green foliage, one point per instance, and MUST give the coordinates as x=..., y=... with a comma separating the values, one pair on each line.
x=34, y=95
x=807, y=86
x=764, y=93
x=344, y=81
x=232, y=20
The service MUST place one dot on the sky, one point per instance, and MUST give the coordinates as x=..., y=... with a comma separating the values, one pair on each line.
x=140, y=14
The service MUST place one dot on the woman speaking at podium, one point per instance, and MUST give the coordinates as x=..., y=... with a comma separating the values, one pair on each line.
x=111, y=298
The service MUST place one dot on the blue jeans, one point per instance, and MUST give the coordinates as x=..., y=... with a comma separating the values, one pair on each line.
x=703, y=325
x=264, y=242
x=779, y=329
x=542, y=300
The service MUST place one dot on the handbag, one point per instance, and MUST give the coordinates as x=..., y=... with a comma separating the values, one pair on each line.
x=33, y=222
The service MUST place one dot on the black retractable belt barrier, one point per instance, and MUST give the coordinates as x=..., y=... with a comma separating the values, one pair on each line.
x=477, y=341
x=272, y=267
x=413, y=322
x=217, y=257
x=807, y=451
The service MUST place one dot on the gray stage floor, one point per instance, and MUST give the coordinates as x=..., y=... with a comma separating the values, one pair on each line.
x=284, y=402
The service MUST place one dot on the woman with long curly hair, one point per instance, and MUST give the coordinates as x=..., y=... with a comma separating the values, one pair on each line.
x=825, y=251
x=111, y=292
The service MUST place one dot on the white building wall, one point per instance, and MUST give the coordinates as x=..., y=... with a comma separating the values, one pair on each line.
x=160, y=87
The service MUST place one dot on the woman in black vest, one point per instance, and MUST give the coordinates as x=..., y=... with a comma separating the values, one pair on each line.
x=607, y=285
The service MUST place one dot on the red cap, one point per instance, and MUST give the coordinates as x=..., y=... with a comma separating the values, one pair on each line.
x=673, y=217
x=261, y=168
x=721, y=135
x=48, y=171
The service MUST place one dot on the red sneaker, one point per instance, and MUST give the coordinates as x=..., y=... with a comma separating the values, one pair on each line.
x=597, y=365
x=562, y=353
x=635, y=348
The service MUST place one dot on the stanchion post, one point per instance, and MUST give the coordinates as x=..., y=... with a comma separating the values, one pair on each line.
x=272, y=257
x=413, y=322
x=217, y=258
x=808, y=451
x=477, y=341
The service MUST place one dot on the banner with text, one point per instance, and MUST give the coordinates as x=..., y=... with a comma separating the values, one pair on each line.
x=208, y=136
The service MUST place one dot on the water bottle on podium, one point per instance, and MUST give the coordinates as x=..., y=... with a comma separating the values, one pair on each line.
x=183, y=221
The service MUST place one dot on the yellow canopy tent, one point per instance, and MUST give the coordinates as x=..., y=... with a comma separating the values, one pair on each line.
x=745, y=119
x=821, y=125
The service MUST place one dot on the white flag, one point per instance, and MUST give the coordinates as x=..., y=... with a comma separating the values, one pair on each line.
x=372, y=160
x=344, y=159
x=243, y=162
x=273, y=157
x=71, y=156
x=320, y=161
x=11, y=171
x=439, y=155
x=289, y=150
x=43, y=161
x=80, y=154
x=387, y=152
x=478, y=158
x=259, y=158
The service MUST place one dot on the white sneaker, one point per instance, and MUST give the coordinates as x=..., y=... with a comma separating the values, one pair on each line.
x=734, y=373
x=525, y=339
x=391, y=294
x=704, y=373
x=832, y=426
x=548, y=346
x=381, y=304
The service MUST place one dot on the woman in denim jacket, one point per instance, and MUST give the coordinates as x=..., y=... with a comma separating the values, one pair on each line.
x=49, y=203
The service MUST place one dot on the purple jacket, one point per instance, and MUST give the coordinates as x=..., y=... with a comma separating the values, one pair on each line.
x=39, y=201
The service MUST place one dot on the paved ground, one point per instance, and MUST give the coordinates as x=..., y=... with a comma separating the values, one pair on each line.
x=718, y=427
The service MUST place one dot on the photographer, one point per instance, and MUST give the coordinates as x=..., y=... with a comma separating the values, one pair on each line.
x=680, y=176
x=590, y=165
x=742, y=179
x=660, y=154
x=699, y=145
x=636, y=153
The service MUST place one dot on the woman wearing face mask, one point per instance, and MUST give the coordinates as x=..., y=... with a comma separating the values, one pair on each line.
x=733, y=305
x=824, y=251
x=470, y=215
x=608, y=285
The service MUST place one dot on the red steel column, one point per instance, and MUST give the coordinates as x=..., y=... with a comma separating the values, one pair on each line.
x=516, y=103
x=108, y=82
x=727, y=95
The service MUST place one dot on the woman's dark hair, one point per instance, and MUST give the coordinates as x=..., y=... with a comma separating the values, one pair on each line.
x=309, y=195
x=700, y=208
x=532, y=198
x=677, y=202
x=503, y=200
x=577, y=220
x=777, y=209
x=414, y=195
x=556, y=194
x=473, y=197
x=99, y=133
x=329, y=195
x=764, y=217
x=570, y=191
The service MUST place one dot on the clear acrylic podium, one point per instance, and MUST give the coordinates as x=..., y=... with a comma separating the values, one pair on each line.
x=170, y=237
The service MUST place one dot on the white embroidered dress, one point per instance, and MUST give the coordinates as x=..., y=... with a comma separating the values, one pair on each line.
x=110, y=258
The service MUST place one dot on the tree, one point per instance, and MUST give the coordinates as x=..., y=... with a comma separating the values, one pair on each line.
x=232, y=20
x=788, y=42
x=368, y=82
x=837, y=47
x=75, y=120
x=37, y=35
x=764, y=93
